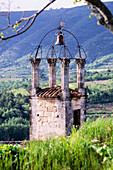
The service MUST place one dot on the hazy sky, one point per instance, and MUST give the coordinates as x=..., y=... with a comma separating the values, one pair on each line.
x=38, y=4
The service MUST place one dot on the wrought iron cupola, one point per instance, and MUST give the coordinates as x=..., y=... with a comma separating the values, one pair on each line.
x=59, y=49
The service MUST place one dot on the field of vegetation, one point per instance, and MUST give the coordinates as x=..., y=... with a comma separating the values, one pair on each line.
x=91, y=147
x=14, y=101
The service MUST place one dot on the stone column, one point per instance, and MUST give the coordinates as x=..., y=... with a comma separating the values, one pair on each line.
x=52, y=71
x=83, y=109
x=65, y=77
x=81, y=74
x=35, y=72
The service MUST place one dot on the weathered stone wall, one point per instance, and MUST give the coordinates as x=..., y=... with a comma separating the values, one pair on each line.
x=47, y=118
x=51, y=117
x=76, y=104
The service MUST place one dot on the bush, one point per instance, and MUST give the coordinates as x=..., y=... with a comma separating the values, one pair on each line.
x=14, y=132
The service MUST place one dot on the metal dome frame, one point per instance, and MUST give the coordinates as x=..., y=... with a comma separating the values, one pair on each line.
x=65, y=47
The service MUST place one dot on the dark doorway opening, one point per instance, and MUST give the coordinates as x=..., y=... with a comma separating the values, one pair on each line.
x=76, y=118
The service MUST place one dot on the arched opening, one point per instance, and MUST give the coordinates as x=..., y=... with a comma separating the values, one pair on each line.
x=43, y=74
x=72, y=74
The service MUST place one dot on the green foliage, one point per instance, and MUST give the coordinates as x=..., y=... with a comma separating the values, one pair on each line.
x=14, y=110
x=100, y=93
x=16, y=132
x=15, y=85
x=98, y=75
x=2, y=35
x=104, y=62
x=14, y=102
x=88, y=148
x=14, y=117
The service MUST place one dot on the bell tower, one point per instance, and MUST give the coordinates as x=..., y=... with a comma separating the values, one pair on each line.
x=55, y=109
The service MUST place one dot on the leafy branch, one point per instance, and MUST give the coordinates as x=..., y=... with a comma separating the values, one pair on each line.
x=102, y=13
x=21, y=26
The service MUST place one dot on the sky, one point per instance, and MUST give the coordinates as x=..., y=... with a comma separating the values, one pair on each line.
x=37, y=4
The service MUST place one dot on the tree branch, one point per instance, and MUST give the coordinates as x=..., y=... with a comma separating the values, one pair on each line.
x=2, y=29
x=4, y=43
x=102, y=13
x=21, y=30
x=8, y=18
x=23, y=26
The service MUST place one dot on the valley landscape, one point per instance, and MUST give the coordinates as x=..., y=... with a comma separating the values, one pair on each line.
x=15, y=82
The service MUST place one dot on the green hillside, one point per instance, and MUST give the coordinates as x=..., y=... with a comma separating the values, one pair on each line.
x=96, y=40
x=22, y=68
x=105, y=63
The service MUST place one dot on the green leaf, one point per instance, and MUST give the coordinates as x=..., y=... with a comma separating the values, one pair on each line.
x=105, y=159
x=98, y=23
x=17, y=24
x=2, y=33
x=14, y=30
x=14, y=26
x=94, y=141
x=104, y=146
x=75, y=2
x=99, y=151
x=92, y=13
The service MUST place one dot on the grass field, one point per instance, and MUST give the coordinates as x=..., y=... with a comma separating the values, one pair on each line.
x=105, y=82
x=95, y=108
x=89, y=148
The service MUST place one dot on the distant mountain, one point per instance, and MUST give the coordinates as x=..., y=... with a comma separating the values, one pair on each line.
x=95, y=39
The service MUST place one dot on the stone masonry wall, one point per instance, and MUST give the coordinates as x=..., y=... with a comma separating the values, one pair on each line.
x=47, y=118
x=51, y=117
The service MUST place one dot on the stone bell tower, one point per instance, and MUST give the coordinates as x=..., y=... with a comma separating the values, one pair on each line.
x=55, y=109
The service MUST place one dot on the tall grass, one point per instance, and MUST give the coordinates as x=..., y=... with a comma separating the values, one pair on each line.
x=91, y=147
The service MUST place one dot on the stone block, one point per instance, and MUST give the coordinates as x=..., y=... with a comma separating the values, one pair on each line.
x=50, y=119
x=44, y=119
x=54, y=109
x=53, y=114
x=49, y=109
x=45, y=124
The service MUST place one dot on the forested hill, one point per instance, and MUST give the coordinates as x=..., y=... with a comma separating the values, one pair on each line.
x=96, y=40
